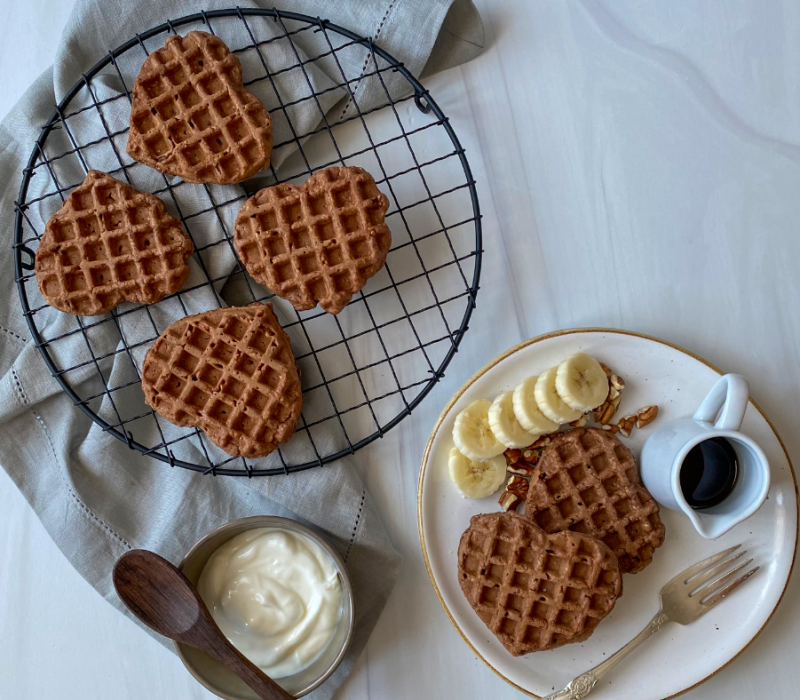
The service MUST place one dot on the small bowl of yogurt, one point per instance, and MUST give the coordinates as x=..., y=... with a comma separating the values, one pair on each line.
x=281, y=594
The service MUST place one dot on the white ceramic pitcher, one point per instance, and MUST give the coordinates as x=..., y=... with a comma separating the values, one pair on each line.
x=666, y=449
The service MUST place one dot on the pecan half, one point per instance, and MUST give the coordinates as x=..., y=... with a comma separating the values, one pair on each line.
x=646, y=415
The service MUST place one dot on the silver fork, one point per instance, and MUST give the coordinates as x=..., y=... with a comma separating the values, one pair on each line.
x=690, y=595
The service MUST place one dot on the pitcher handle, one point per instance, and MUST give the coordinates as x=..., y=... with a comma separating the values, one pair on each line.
x=731, y=394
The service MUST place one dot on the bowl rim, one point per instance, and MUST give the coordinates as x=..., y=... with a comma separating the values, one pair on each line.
x=279, y=522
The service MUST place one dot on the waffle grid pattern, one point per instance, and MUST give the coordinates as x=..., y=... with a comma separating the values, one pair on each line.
x=191, y=116
x=587, y=481
x=229, y=372
x=532, y=590
x=424, y=295
x=107, y=244
x=319, y=243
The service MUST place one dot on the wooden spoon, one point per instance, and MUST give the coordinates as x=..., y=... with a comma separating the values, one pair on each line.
x=167, y=602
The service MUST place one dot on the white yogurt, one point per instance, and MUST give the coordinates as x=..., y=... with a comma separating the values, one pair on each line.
x=276, y=596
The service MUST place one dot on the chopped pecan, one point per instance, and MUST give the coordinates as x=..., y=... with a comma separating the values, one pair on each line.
x=626, y=425
x=512, y=455
x=617, y=382
x=606, y=369
x=646, y=415
x=516, y=484
x=580, y=422
x=520, y=468
x=509, y=501
x=611, y=428
x=530, y=457
x=605, y=413
x=541, y=442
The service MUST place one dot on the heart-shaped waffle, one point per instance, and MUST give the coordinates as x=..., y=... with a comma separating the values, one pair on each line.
x=107, y=244
x=587, y=481
x=319, y=243
x=535, y=591
x=229, y=372
x=192, y=117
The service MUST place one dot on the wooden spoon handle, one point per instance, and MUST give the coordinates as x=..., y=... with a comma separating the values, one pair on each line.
x=263, y=685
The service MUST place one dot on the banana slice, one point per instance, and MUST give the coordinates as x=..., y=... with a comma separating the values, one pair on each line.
x=504, y=423
x=476, y=479
x=549, y=402
x=473, y=435
x=528, y=413
x=581, y=382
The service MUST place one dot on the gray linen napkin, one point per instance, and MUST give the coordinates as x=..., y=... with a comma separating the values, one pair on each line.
x=97, y=498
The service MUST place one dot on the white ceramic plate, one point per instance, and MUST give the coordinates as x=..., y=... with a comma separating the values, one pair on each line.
x=678, y=657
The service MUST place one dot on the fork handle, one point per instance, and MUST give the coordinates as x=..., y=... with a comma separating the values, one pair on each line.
x=581, y=686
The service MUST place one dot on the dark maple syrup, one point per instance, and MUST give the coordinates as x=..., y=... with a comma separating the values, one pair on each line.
x=709, y=473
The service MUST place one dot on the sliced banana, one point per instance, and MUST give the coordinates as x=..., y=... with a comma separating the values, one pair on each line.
x=527, y=411
x=476, y=479
x=473, y=435
x=504, y=423
x=549, y=402
x=581, y=382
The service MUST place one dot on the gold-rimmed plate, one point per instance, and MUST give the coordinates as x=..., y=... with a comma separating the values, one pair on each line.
x=679, y=658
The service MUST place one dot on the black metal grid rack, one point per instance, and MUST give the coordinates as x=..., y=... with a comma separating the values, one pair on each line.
x=364, y=370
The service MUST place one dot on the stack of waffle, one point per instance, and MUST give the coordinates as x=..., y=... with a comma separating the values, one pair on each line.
x=547, y=578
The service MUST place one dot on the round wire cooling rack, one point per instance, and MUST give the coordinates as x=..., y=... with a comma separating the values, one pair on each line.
x=364, y=370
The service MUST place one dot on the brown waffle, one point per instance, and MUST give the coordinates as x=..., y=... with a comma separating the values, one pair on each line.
x=319, y=243
x=229, y=372
x=535, y=591
x=107, y=244
x=587, y=481
x=191, y=116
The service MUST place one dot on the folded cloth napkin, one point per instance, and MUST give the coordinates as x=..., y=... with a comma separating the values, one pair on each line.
x=96, y=497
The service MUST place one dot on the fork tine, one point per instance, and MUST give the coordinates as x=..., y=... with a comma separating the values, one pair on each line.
x=708, y=589
x=684, y=576
x=722, y=594
x=701, y=578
